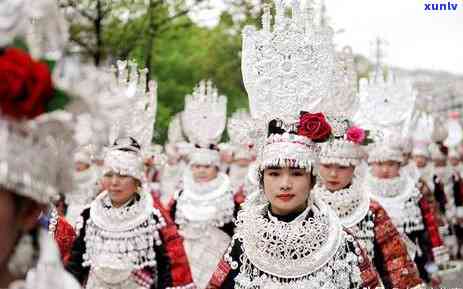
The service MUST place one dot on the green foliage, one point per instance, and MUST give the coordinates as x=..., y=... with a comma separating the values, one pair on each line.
x=186, y=54
x=179, y=54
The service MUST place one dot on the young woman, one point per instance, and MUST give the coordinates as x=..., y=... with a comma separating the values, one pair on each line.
x=86, y=179
x=204, y=208
x=341, y=171
x=397, y=193
x=284, y=238
x=123, y=239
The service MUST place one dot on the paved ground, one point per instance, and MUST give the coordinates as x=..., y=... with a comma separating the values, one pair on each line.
x=454, y=280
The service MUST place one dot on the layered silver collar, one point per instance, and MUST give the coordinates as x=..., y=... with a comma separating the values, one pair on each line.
x=289, y=250
x=122, y=239
x=399, y=197
x=400, y=186
x=350, y=204
x=205, y=204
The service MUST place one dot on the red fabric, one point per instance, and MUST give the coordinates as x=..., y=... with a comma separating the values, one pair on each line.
x=430, y=223
x=64, y=237
x=222, y=271
x=239, y=196
x=399, y=271
x=171, y=204
x=431, y=200
x=173, y=242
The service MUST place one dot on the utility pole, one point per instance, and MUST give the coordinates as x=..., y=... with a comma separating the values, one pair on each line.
x=379, y=54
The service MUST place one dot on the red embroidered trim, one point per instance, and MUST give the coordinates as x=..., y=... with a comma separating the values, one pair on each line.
x=220, y=274
x=173, y=243
x=64, y=237
x=400, y=270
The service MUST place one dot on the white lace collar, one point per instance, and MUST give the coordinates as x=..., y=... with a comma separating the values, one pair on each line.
x=124, y=218
x=350, y=204
x=289, y=250
x=399, y=197
x=122, y=239
x=205, y=204
x=400, y=187
x=204, y=191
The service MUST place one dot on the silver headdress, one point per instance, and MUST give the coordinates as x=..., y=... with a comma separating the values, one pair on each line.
x=289, y=64
x=455, y=131
x=421, y=134
x=238, y=131
x=131, y=135
x=388, y=146
x=31, y=160
x=39, y=23
x=386, y=106
x=287, y=68
x=175, y=137
x=175, y=131
x=203, y=121
x=345, y=148
x=439, y=134
x=34, y=150
x=455, y=136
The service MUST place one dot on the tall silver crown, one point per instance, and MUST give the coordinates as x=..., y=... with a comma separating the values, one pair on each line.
x=288, y=67
x=345, y=100
x=340, y=109
x=175, y=131
x=386, y=104
x=440, y=131
x=455, y=135
x=138, y=118
x=205, y=115
x=238, y=128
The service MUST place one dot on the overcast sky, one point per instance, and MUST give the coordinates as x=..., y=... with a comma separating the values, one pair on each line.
x=417, y=38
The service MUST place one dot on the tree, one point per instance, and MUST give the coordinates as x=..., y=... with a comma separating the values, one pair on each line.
x=93, y=22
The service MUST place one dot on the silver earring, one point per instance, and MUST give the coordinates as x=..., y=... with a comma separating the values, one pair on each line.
x=23, y=256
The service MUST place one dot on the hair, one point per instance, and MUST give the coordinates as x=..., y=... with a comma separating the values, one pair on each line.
x=137, y=182
x=132, y=146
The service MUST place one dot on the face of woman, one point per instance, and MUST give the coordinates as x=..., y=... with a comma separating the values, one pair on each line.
x=81, y=166
x=440, y=163
x=204, y=173
x=287, y=189
x=121, y=188
x=336, y=177
x=105, y=182
x=454, y=161
x=386, y=170
x=16, y=217
x=420, y=161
